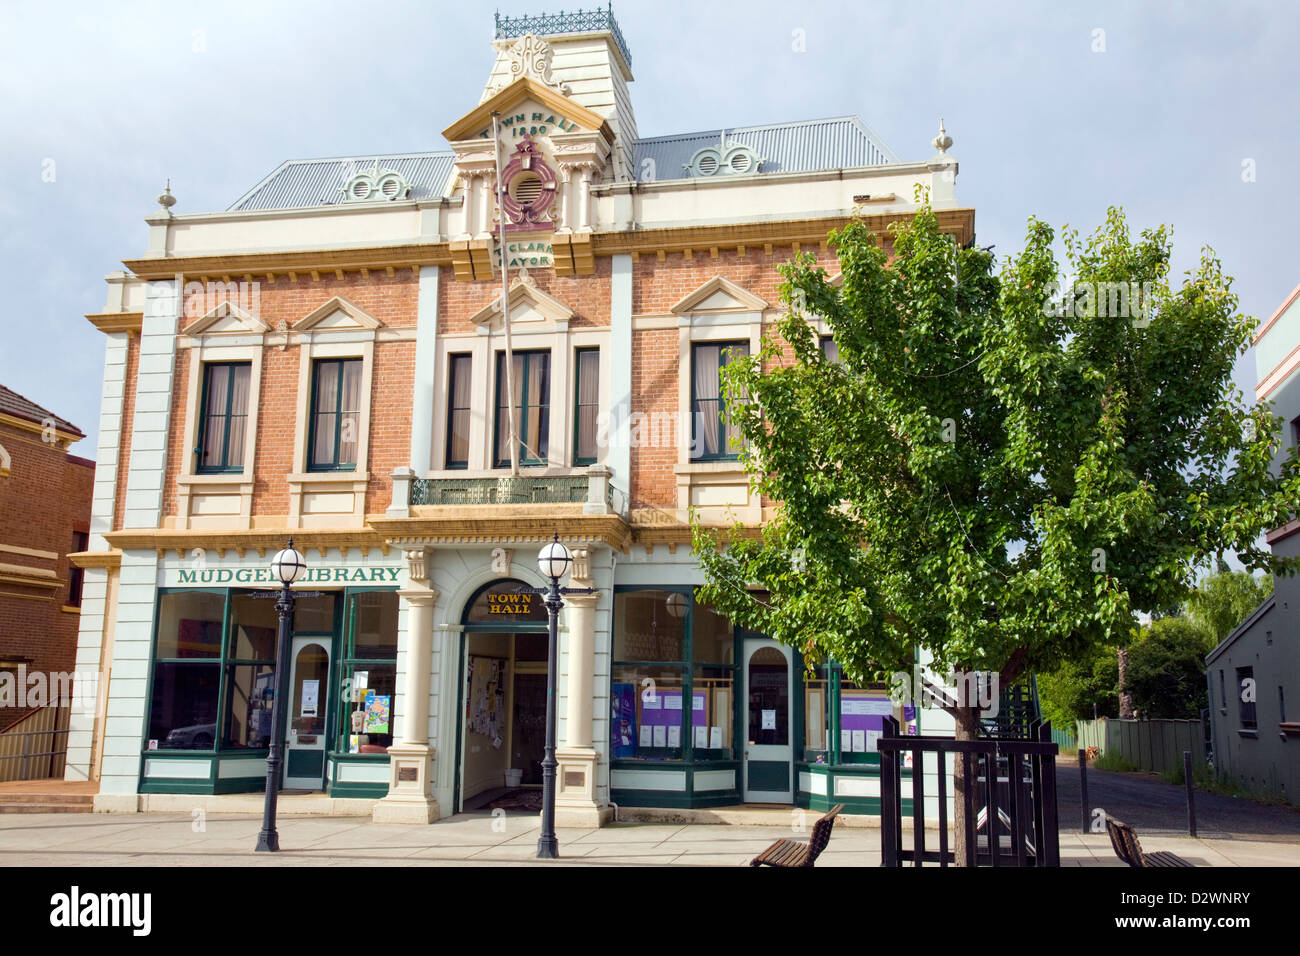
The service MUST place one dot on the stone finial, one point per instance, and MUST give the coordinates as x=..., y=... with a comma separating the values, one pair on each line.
x=943, y=140
x=167, y=200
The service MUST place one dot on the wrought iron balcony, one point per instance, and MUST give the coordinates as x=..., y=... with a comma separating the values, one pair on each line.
x=549, y=24
x=506, y=490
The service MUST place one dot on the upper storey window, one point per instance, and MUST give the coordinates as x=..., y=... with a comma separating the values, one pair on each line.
x=531, y=381
x=712, y=429
x=224, y=419
x=336, y=414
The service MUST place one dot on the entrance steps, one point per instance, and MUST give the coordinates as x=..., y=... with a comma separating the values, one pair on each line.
x=47, y=796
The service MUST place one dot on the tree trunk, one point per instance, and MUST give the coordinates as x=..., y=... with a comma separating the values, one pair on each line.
x=1125, y=696
x=968, y=728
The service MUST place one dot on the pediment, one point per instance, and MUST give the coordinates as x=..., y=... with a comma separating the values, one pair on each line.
x=337, y=315
x=720, y=294
x=527, y=304
x=524, y=90
x=226, y=318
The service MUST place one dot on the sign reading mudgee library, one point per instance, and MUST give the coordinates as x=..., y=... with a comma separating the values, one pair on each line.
x=237, y=577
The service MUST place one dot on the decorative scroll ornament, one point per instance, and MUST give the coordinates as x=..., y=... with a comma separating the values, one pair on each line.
x=374, y=184
x=530, y=186
x=530, y=56
x=728, y=158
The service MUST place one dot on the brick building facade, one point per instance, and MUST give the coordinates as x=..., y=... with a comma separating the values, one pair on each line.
x=44, y=516
x=327, y=359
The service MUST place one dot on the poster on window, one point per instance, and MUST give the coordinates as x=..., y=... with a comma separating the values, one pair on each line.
x=377, y=713
x=622, y=719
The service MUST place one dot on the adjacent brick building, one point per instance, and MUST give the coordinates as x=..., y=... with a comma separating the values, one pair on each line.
x=327, y=360
x=44, y=516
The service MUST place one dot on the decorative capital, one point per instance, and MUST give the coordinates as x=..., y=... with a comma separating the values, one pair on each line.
x=581, y=564
x=417, y=564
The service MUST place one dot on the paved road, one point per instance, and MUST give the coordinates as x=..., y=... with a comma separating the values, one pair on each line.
x=1159, y=809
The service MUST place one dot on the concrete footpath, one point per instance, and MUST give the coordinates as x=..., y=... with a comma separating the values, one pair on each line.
x=213, y=839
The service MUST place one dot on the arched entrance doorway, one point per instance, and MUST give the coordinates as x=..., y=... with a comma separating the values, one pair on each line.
x=502, y=711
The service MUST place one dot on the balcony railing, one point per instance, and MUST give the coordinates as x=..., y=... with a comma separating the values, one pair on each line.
x=506, y=490
x=549, y=24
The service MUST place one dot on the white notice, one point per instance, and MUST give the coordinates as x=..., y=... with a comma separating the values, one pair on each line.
x=769, y=720
x=702, y=737
x=715, y=738
x=846, y=740
x=310, y=697
x=872, y=737
x=859, y=741
x=674, y=736
x=647, y=738
x=672, y=701
x=661, y=735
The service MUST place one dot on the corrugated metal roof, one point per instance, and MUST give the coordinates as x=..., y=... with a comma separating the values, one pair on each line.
x=11, y=403
x=843, y=142
x=319, y=182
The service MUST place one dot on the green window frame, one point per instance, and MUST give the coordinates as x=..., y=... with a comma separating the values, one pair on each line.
x=329, y=441
x=691, y=672
x=586, y=405
x=533, y=377
x=459, y=378
x=222, y=417
x=351, y=661
x=709, y=405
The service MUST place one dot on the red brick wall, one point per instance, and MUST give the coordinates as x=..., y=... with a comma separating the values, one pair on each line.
x=43, y=501
x=128, y=422
x=390, y=299
x=587, y=296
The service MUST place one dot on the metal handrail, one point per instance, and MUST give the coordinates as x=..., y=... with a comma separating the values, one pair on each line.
x=27, y=755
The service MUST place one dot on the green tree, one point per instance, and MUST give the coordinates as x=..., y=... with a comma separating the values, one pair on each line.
x=1070, y=692
x=1223, y=600
x=982, y=475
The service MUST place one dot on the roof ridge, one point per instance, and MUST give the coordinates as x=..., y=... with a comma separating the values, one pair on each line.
x=849, y=117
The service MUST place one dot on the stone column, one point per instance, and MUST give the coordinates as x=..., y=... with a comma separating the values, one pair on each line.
x=410, y=782
x=575, y=782
x=584, y=199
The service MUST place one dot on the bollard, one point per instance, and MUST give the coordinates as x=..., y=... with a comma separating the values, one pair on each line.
x=1083, y=787
x=1191, y=798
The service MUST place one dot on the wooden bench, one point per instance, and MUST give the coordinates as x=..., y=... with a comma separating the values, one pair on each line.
x=1124, y=839
x=796, y=852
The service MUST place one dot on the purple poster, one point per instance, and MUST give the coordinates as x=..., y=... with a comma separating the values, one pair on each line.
x=623, y=720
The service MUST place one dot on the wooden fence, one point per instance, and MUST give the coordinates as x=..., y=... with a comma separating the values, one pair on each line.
x=1013, y=796
x=1153, y=745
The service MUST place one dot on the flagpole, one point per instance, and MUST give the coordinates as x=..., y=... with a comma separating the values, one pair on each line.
x=505, y=293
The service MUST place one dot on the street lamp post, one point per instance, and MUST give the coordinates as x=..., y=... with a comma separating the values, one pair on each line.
x=287, y=565
x=554, y=561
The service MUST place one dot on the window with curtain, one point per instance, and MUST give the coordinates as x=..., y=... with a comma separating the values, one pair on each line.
x=586, y=406
x=224, y=417
x=531, y=374
x=830, y=350
x=76, y=575
x=458, y=410
x=336, y=415
x=711, y=432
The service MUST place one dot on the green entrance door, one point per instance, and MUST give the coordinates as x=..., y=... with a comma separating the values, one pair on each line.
x=304, y=763
x=769, y=750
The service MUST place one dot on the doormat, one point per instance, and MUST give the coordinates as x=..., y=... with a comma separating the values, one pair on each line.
x=521, y=799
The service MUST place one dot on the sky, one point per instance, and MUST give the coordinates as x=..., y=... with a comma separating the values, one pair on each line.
x=1182, y=113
